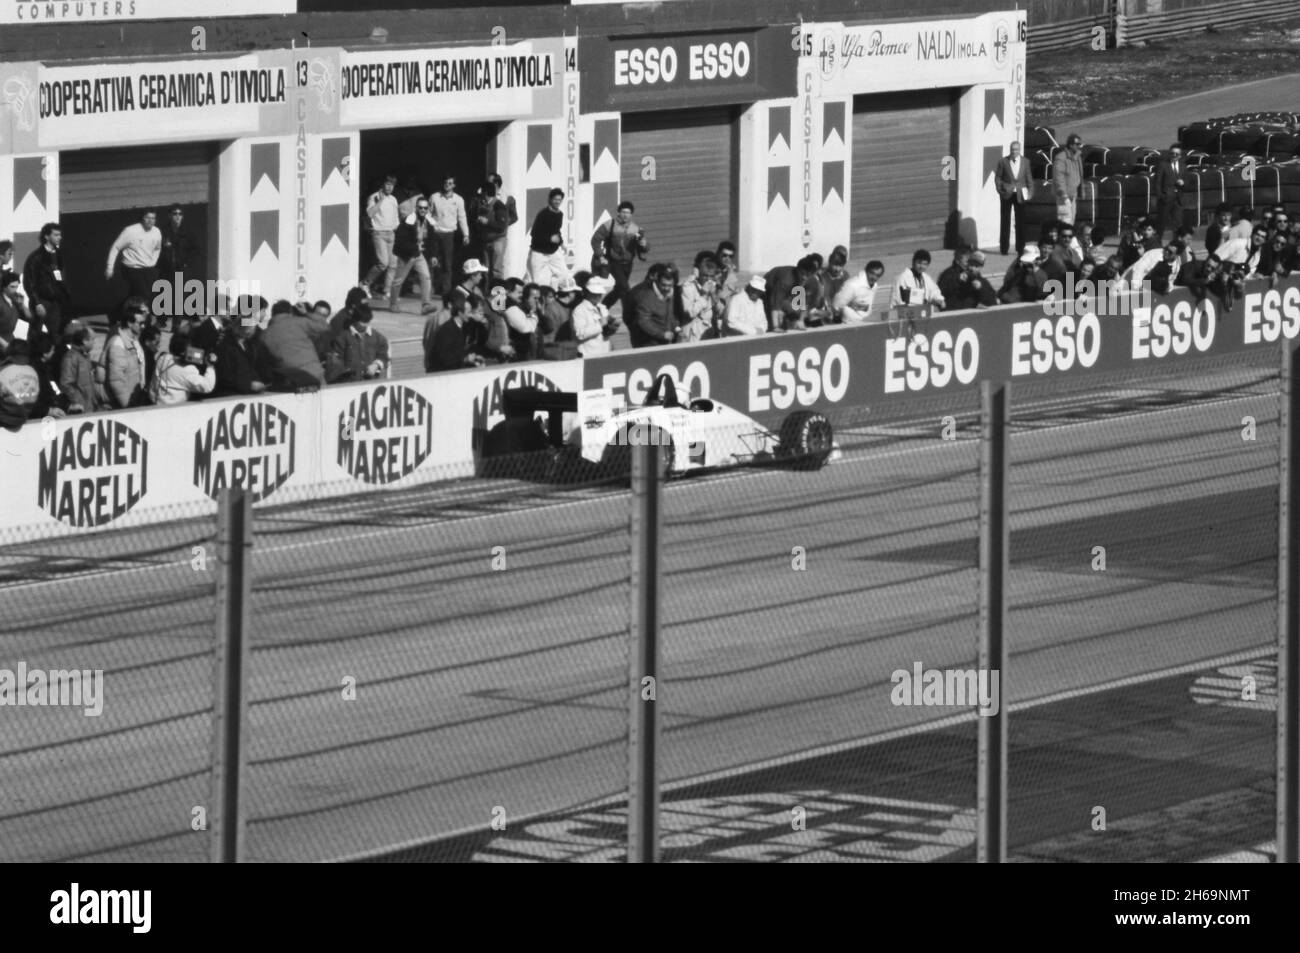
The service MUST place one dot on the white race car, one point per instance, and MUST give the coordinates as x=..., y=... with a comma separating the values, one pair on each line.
x=692, y=434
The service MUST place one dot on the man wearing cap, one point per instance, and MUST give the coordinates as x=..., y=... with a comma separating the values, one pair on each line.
x=1067, y=177
x=471, y=279
x=1024, y=280
x=914, y=287
x=360, y=353
x=412, y=248
x=746, y=312
x=857, y=297
x=648, y=312
x=592, y=325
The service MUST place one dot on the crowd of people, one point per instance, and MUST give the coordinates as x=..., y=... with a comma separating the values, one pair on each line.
x=484, y=315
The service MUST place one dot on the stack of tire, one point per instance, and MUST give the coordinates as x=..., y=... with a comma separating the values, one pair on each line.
x=1117, y=184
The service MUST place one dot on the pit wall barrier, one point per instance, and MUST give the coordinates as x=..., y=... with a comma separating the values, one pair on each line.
x=114, y=470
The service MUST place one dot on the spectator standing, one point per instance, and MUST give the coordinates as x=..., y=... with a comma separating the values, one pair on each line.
x=150, y=343
x=1219, y=228
x=833, y=277
x=472, y=277
x=180, y=250
x=448, y=218
x=512, y=210
x=1067, y=177
x=747, y=312
x=208, y=333
x=546, y=263
x=592, y=325
x=412, y=193
x=43, y=280
x=914, y=286
x=1168, y=186
x=729, y=280
x=857, y=297
x=1244, y=225
x=15, y=319
x=243, y=366
x=339, y=323
x=122, y=362
x=794, y=294
x=491, y=219
x=555, y=318
x=1014, y=187
x=522, y=319
x=975, y=291
x=955, y=275
x=701, y=303
x=179, y=377
x=413, y=243
x=360, y=353
x=1063, y=261
x=620, y=242
x=291, y=352
x=138, y=247
x=458, y=342
x=77, y=370
x=382, y=215
x=648, y=312
x=1024, y=280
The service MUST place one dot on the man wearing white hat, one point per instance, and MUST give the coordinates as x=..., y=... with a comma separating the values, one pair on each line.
x=471, y=280
x=1024, y=279
x=745, y=312
x=592, y=326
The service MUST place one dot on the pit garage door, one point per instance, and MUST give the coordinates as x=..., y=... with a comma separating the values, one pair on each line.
x=899, y=198
x=690, y=204
x=101, y=191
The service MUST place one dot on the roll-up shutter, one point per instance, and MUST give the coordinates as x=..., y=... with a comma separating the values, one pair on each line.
x=690, y=205
x=106, y=180
x=898, y=195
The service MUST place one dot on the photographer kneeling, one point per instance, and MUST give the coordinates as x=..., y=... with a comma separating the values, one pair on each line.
x=182, y=371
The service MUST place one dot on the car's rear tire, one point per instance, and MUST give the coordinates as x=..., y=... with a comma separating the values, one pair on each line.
x=806, y=440
x=617, y=459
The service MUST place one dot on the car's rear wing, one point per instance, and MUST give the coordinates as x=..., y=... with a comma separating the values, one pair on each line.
x=526, y=402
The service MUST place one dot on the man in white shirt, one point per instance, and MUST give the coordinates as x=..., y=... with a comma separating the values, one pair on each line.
x=139, y=246
x=1247, y=251
x=1144, y=266
x=857, y=296
x=591, y=319
x=381, y=210
x=448, y=218
x=1244, y=225
x=746, y=313
x=914, y=287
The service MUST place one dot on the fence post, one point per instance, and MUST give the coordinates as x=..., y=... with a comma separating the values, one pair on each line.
x=643, y=725
x=230, y=674
x=1288, y=614
x=995, y=537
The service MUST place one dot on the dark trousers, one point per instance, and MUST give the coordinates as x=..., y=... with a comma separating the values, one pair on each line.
x=56, y=317
x=1170, y=213
x=139, y=283
x=621, y=272
x=445, y=249
x=1004, y=232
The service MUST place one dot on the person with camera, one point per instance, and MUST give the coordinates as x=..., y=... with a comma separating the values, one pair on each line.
x=701, y=306
x=619, y=243
x=182, y=371
x=360, y=353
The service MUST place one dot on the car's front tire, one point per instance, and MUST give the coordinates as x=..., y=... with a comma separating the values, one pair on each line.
x=806, y=440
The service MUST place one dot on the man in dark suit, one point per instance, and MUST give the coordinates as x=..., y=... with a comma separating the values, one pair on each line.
x=1167, y=186
x=1014, y=186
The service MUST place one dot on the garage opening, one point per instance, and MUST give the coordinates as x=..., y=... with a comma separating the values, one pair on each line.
x=899, y=200
x=421, y=158
x=101, y=191
x=690, y=202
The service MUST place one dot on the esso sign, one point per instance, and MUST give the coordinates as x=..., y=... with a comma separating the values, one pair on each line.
x=780, y=380
x=931, y=360
x=638, y=67
x=633, y=385
x=1040, y=345
x=1271, y=314
x=1162, y=330
x=718, y=60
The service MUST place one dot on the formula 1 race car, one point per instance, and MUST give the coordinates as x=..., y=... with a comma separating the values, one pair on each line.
x=697, y=434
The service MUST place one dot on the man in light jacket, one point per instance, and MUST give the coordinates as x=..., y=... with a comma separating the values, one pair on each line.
x=124, y=360
x=1067, y=177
